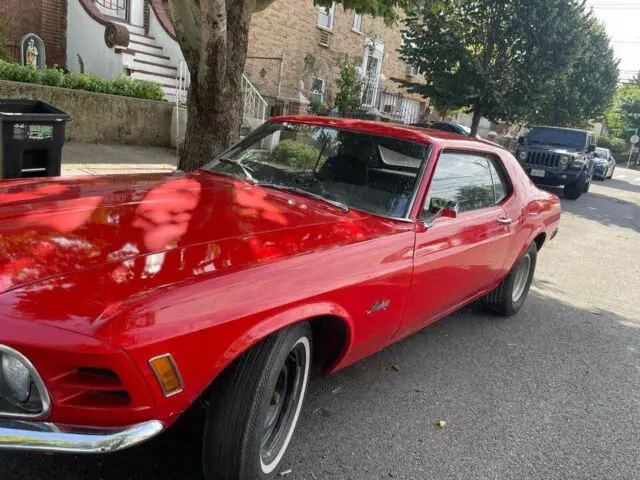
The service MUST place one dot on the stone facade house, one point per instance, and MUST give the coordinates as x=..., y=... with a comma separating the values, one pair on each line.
x=294, y=51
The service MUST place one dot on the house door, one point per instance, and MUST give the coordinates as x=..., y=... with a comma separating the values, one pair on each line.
x=371, y=66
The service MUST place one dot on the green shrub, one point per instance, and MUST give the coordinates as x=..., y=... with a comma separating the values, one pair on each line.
x=123, y=86
x=52, y=77
x=616, y=145
x=290, y=152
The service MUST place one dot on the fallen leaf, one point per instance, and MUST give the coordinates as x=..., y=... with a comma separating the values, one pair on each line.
x=284, y=473
x=395, y=368
x=441, y=424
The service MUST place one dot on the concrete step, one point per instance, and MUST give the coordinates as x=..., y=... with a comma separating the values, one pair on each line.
x=152, y=58
x=142, y=38
x=171, y=92
x=145, y=48
x=166, y=80
x=132, y=28
x=154, y=67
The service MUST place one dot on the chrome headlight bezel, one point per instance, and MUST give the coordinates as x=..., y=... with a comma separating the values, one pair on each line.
x=37, y=404
x=522, y=155
x=564, y=160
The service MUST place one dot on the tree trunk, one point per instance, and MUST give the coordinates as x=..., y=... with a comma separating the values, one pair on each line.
x=475, y=122
x=213, y=35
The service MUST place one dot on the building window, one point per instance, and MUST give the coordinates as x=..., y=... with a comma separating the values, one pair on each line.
x=316, y=92
x=357, y=22
x=326, y=16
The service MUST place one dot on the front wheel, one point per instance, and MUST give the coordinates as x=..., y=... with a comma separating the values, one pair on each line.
x=612, y=170
x=573, y=190
x=255, y=406
x=510, y=295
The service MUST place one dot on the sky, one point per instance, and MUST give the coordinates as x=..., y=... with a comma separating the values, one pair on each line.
x=622, y=22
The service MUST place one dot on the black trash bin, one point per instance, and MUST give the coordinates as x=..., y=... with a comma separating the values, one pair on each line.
x=31, y=140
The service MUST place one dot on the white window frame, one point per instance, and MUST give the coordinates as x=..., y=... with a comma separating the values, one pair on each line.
x=330, y=13
x=316, y=92
x=357, y=23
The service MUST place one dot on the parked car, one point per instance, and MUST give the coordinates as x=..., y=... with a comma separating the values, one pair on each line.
x=557, y=156
x=128, y=300
x=447, y=127
x=605, y=163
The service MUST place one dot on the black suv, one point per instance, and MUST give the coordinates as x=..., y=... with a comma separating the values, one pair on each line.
x=558, y=157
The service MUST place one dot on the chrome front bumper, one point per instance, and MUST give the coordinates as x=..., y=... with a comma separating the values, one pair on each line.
x=47, y=437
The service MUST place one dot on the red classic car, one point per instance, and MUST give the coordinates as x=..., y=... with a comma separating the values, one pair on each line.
x=308, y=245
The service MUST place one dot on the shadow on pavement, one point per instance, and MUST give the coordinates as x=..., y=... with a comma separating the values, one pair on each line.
x=544, y=394
x=621, y=184
x=605, y=209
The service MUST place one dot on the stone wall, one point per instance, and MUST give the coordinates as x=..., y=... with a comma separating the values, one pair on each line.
x=45, y=18
x=96, y=117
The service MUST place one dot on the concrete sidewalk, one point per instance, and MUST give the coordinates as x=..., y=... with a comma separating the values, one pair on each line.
x=102, y=159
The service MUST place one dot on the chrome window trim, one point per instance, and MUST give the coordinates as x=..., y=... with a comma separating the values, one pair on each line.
x=37, y=380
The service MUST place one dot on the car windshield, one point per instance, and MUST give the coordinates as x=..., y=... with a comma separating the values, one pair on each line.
x=367, y=172
x=602, y=153
x=558, y=137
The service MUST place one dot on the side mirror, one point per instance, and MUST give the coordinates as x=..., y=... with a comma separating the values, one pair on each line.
x=591, y=148
x=441, y=208
x=521, y=140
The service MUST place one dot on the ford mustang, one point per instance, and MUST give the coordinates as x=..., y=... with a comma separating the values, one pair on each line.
x=313, y=242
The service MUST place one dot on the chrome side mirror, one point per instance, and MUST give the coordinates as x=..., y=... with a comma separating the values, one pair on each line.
x=448, y=211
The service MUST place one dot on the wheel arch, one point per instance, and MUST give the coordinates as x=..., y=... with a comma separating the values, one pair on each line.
x=332, y=329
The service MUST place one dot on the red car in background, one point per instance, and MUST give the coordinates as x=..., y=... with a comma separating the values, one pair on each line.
x=308, y=245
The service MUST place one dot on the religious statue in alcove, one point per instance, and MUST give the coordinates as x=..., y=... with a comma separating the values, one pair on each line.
x=32, y=49
x=32, y=54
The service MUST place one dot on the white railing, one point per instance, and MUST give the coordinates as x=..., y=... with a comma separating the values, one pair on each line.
x=254, y=111
x=182, y=80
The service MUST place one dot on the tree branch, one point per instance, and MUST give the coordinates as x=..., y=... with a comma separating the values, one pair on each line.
x=186, y=17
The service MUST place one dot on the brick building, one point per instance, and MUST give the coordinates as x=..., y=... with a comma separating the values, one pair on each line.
x=45, y=18
x=295, y=47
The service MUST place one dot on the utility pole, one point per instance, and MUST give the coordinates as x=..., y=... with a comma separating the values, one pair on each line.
x=634, y=142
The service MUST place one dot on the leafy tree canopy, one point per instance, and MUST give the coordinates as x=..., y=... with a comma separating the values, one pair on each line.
x=511, y=59
x=624, y=116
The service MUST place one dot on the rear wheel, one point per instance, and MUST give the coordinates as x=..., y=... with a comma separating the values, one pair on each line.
x=510, y=295
x=255, y=406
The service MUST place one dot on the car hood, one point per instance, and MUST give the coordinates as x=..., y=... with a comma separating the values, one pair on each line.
x=51, y=228
x=600, y=161
x=538, y=147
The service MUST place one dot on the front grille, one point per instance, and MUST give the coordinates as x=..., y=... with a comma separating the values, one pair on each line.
x=543, y=159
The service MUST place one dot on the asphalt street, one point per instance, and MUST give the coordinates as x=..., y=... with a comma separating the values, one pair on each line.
x=552, y=393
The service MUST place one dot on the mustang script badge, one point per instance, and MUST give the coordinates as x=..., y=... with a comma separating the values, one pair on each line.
x=379, y=306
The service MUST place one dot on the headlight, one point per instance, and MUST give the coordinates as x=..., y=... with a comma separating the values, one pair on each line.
x=564, y=160
x=17, y=377
x=523, y=155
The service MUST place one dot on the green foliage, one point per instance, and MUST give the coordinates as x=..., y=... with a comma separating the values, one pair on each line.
x=53, y=77
x=316, y=108
x=387, y=9
x=616, y=145
x=624, y=115
x=544, y=62
x=290, y=152
x=123, y=86
x=4, y=40
x=349, y=99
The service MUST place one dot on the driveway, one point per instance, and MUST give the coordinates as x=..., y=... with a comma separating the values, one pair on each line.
x=552, y=393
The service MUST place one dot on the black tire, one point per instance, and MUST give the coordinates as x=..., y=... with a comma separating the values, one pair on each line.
x=586, y=186
x=612, y=170
x=501, y=299
x=572, y=191
x=238, y=443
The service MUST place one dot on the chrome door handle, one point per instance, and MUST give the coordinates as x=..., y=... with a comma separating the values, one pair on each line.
x=505, y=221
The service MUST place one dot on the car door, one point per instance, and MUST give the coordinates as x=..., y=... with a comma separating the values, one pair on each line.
x=455, y=258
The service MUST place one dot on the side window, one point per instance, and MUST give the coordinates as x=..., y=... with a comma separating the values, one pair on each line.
x=500, y=184
x=464, y=179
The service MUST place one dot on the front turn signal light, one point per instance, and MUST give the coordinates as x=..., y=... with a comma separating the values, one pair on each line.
x=167, y=374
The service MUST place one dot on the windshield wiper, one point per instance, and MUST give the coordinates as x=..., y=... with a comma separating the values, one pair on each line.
x=287, y=188
x=244, y=169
